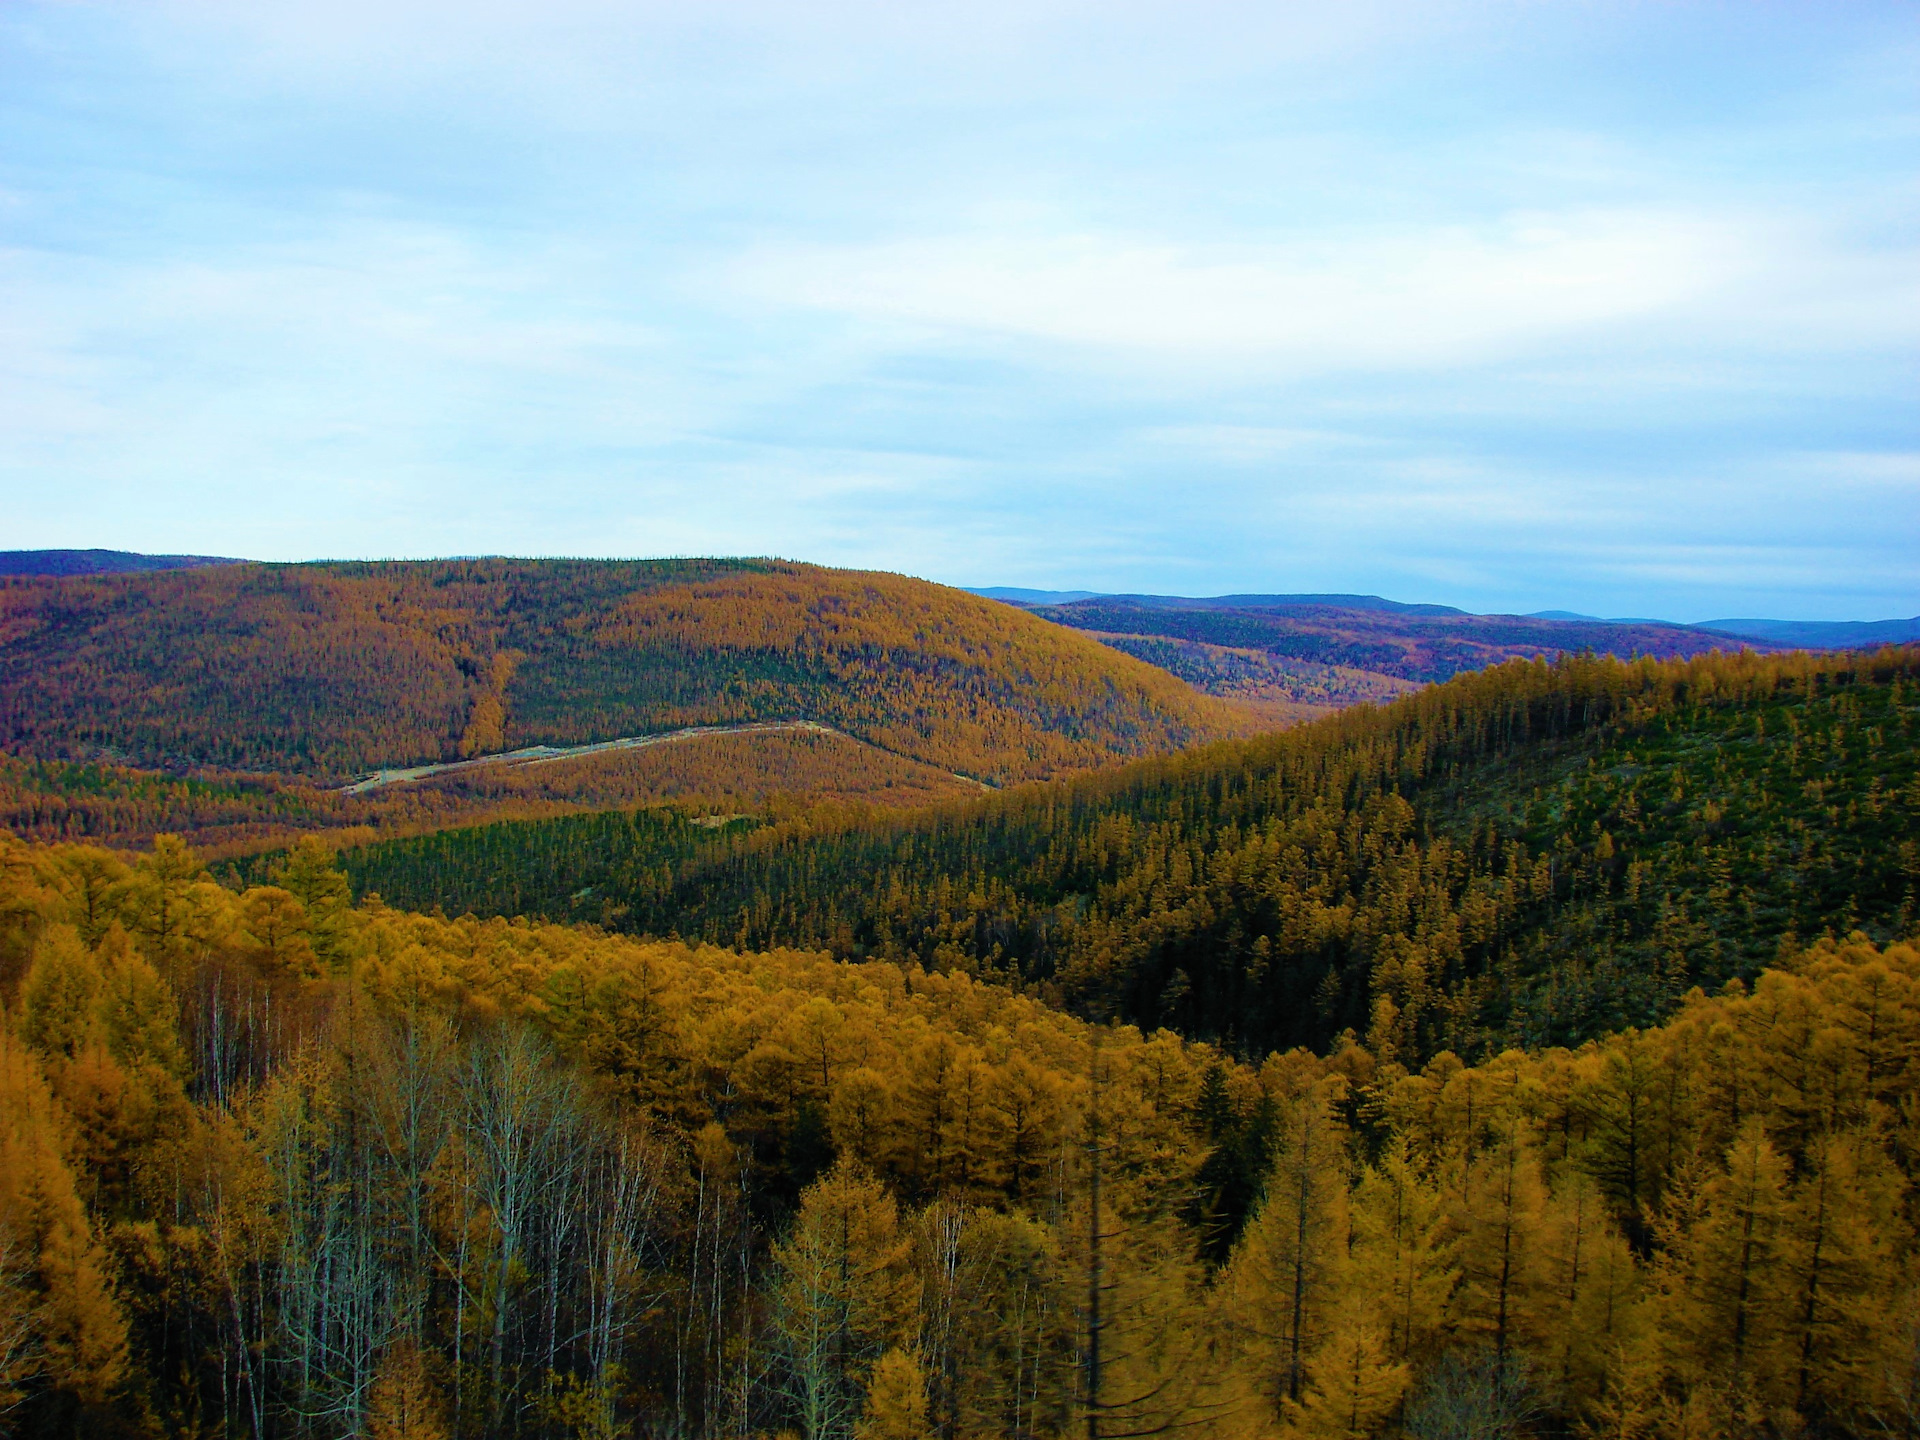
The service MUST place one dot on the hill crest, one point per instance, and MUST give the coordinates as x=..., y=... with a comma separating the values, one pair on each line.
x=333, y=670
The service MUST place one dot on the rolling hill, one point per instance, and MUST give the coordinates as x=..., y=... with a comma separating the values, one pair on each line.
x=280, y=1161
x=1384, y=639
x=1527, y=855
x=326, y=671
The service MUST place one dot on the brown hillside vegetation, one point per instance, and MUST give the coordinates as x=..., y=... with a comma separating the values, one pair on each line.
x=1279, y=690
x=1307, y=650
x=1418, y=643
x=1532, y=854
x=274, y=1165
x=330, y=670
x=718, y=773
x=231, y=814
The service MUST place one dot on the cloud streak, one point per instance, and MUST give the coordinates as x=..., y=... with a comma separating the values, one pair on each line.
x=1393, y=300
x=1509, y=307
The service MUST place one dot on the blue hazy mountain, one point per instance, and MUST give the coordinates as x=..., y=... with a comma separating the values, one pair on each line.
x=1791, y=634
x=1821, y=634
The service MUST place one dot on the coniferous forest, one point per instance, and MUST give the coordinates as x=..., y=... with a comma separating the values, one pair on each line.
x=327, y=671
x=1537, y=1054
x=277, y=1164
x=1534, y=854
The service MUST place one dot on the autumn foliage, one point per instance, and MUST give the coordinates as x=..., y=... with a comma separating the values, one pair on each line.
x=229, y=814
x=326, y=671
x=1534, y=854
x=282, y=1165
x=1535, y=1055
x=1408, y=642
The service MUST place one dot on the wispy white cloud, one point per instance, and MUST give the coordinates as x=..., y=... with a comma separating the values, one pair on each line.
x=1392, y=299
x=1460, y=302
x=1247, y=444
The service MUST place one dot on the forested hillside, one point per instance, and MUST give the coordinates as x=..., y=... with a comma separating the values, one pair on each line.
x=1329, y=650
x=1284, y=690
x=1530, y=855
x=275, y=1165
x=234, y=813
x=326, y=671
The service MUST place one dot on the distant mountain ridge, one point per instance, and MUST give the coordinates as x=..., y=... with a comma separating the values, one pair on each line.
x=1291, y=656
x=1019, y=595
x=1821, y=634
x=1793, y=634
x=1372, y=603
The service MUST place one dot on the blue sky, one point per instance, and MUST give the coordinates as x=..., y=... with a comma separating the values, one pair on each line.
x=1608, y=307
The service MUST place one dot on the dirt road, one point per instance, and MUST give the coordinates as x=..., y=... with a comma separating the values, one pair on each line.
x=541, y=754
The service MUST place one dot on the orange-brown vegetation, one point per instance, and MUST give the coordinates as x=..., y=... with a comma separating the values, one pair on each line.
x=1276, y=690
x=280, y=1165
x=709, y=773
x=231, y=814
x=1303, y=640
x=330, y=670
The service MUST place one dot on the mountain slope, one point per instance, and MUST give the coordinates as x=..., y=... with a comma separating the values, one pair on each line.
x=1531, y=854
x=1421, y=643
x=301, y=1169
x=231, y=814
x=329, y=670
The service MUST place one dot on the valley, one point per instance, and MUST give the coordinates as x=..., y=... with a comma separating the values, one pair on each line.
x=1529, y=855
x=1324, y=651
x=242, y=704
x=463, y=999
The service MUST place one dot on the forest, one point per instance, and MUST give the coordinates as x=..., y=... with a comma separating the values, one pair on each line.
x=274, y=1163
x=1533, y=854
x=326, y=671
x=1033, y=1048
x=1285, y=689
x=1388, y=641
x=237, y=814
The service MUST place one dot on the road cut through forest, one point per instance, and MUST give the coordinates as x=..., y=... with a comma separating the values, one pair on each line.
x=540, y=754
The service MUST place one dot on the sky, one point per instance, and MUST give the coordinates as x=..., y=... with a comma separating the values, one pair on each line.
x=1607, y=307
